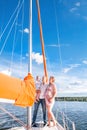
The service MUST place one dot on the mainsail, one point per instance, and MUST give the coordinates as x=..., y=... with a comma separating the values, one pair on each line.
x=22, y=91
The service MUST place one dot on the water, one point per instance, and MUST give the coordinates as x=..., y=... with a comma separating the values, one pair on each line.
x=76, y=111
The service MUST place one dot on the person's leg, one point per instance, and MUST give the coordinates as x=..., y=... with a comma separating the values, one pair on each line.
x=43, y=104
x=48, y=115
x=51, y=115
x=36, y=105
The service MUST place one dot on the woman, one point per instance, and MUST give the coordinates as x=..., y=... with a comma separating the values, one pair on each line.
x=49, y=98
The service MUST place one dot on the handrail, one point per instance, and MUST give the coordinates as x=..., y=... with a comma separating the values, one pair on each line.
x=64, y=120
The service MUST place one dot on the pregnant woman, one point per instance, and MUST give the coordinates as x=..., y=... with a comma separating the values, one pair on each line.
x=49, y=98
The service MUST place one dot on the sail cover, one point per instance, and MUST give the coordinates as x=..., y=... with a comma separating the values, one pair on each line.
x=22, y=91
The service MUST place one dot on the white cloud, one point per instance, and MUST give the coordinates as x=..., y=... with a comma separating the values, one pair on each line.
x=7, y=72
x=71, y=84
x=58, y=45
x=84, y=61
x=74, y=65
x=26, y=30
x=66, y=83
x=54, y=45
x=74, y=90
x=37, y=57
x=77, y=4
x=75, y=83
x=73, y=9
x=65, y=70
x=17, y=70
x=85, y=17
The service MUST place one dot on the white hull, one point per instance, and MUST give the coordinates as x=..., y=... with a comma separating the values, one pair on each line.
x=57, y=127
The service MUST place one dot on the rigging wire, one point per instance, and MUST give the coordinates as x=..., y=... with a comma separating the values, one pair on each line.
x=22, y=37
x=60, y=55
x=0, y=33
x=58, y=36
x=9, y=32
x=14, y=37
x=59, y=46
x=8, y=22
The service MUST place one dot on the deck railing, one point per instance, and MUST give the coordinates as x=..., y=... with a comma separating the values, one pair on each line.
x=62, y=118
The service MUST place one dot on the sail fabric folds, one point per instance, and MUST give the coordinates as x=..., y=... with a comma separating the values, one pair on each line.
x=22, y=91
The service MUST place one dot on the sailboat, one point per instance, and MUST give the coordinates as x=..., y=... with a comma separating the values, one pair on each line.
x=16, y=85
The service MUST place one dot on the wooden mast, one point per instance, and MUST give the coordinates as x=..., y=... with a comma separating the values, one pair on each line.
x=42, y=40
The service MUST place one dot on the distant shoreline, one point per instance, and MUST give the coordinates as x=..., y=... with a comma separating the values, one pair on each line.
x=81, y=99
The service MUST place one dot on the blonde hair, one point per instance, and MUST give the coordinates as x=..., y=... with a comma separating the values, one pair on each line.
x=53, y=79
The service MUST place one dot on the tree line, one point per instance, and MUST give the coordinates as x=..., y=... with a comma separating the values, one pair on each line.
x=82, y=99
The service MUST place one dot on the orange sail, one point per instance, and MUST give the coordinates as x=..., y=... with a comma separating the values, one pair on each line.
x=22, y=91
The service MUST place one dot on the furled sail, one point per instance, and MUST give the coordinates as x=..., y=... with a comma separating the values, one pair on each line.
x=22, y=91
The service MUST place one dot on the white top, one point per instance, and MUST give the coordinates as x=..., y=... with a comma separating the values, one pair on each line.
x=43, y=89
x=37, y=84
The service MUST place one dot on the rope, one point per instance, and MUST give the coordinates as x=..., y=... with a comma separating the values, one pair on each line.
x=11, y=115
x=9, y=32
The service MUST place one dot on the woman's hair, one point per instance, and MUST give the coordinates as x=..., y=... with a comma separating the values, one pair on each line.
x=53, y=79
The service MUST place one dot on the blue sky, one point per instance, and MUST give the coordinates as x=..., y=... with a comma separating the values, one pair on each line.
x=64, y=25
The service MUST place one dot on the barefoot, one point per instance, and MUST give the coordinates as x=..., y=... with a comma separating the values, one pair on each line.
x=54, y=123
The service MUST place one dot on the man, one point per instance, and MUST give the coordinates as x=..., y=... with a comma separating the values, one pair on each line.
x=41, y=101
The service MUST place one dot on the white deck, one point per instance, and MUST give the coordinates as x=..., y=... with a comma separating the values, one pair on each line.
x=46, y=128
x=57, y=127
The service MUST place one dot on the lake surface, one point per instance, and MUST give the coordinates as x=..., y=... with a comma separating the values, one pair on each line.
x=75, y=111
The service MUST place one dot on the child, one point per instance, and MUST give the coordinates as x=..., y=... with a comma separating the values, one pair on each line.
x=37, y=84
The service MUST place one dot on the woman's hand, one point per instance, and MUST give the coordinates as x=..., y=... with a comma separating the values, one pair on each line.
x=50, y=100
